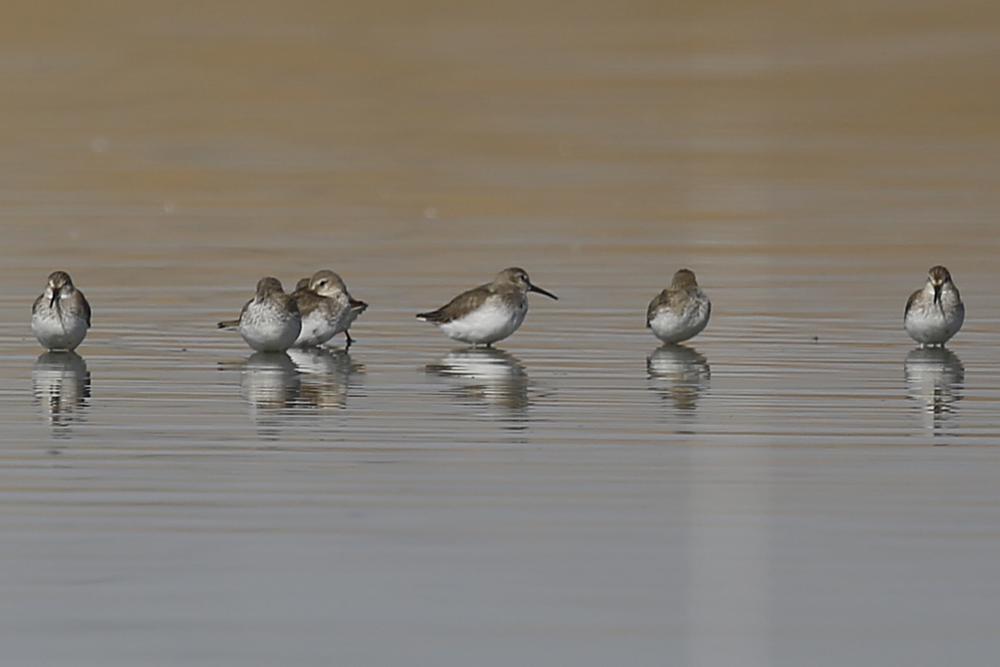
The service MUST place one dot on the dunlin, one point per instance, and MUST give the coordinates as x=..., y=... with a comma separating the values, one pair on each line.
x=487, y=313
x=679, y=312
x=60, y=317
x=327, y=308
x=935, y=313
x=270, y=322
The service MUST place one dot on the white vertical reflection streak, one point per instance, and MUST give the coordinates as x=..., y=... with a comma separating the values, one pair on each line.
x=728, y=605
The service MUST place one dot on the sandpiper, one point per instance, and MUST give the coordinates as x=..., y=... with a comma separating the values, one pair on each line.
x=60, y=317
x=327, y=308
x=935, y=313
x=487, y=313
x=679, y=312
x=270, y=322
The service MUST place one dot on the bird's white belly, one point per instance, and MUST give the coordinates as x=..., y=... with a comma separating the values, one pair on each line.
x=672, y=328
x=930, y=326
x=58, y=333
x=487, y=324
x=265, y=331
x=317, y=328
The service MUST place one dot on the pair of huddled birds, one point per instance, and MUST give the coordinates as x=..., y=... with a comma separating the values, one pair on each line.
x=321, y=307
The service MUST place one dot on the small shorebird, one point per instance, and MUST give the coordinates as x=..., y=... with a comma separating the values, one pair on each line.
x=60, y=317
x=487, y=313
x=270, y=322
x=935, y=313
x=327, y=309
x=679, y=312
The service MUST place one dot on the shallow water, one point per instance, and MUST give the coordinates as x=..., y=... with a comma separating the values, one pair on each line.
x=797, y=485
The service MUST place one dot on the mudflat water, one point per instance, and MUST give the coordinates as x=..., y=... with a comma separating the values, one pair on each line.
x=796, y=486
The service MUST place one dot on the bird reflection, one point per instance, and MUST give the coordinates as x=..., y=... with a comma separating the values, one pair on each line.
x=679, y=374
x=271, y=384
x=325, y=376
x=936, y=378
x=487, y=376
x=62, y=390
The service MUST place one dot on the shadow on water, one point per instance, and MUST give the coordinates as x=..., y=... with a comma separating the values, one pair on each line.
x=487, y=377
x=281, y=388
x=326, y=377
x=935, y=377
x=271, y=385
x=679, y=375
x=62, y=390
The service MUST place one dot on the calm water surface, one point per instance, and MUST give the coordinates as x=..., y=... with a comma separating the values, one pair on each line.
x=795, y=486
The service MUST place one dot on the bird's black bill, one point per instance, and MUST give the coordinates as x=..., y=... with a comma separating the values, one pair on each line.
x=532, y=288
x=937, y=294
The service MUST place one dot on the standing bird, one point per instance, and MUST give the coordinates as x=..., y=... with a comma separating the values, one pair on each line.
x=327, y=309
x=270, y=322
x=60, y=317
x=934, y=313
x=679, y=312
x=487, y=313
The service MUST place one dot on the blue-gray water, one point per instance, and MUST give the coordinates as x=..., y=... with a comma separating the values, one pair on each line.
x=797, y=485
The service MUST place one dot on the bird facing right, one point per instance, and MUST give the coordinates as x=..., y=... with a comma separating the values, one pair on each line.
x=486, y=314
x=934, y=313
x=679, y=312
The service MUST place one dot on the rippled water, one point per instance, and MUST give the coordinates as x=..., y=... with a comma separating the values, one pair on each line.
x=797, y=485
